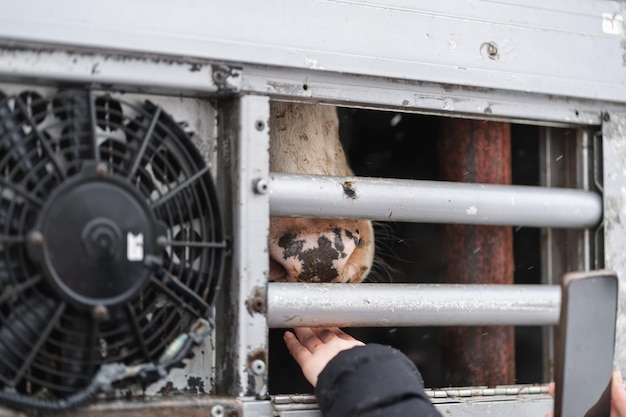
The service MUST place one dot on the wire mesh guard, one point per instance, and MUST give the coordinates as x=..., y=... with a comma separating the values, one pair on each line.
x=112, y=242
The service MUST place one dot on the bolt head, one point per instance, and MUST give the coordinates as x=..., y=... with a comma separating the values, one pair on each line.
x=100, y=313
x=261, y=186
x=258, y=367
x=217, y=411
x=102, y=170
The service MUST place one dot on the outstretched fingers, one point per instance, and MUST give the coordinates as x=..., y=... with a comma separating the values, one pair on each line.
x=296, y=349
x=313, y=348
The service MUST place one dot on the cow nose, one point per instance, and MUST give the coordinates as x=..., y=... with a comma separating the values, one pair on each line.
x=308, y=255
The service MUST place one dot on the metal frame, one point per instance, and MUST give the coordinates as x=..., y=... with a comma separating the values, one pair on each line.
x=455, y=59
x=613, y=142
x=241, y=354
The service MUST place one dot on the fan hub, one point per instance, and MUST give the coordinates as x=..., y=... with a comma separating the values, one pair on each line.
x=94, y=236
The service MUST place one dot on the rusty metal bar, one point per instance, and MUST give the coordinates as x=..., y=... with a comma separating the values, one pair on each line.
x=479, y=152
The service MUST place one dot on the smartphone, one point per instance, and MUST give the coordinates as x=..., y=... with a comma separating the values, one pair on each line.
x=585, y=344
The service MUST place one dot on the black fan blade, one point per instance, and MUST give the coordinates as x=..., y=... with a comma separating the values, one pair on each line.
x=20, y=332
x=77, y=345
x=19, y=147
x=15, y=219
x=77, y=143
x=186, y=201
x=198, y=282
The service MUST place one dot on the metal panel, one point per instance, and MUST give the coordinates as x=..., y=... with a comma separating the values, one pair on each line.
x=432, y=201
x=241, y=352
x=387, y=305
x=139, y=73
x=478, y=44
x=186, y=76
x=614, y=147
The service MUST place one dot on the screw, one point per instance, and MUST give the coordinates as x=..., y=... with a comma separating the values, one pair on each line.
x=261, y=186
x=102, y=170
x=217, y=411
x=36, y=238
x=491, y=49
x=260, y=125
x=220, y=75
x=100, y=313
x=258, y=304
x=161, y=241
x=258, y=367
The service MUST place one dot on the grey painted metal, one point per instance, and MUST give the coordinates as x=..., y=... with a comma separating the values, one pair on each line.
x=513, y=401
x=432, y=201
x=185, y=76
x=614, y=150
x=422, y=96
x=257, y=408
x=568, y=158
x=479, y=44
x=243, y=331
x=382, y=305
x=137, y=73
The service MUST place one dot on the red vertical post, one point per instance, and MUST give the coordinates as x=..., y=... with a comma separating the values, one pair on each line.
x=479, y=152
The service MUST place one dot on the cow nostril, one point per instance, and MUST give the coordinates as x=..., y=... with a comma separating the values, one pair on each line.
x=278, y=273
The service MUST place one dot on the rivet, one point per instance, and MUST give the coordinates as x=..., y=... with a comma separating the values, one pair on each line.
x=217, y=411
x=260, y=186
x=100, y=313
x=36, y=238
x=220, y=76
x=258, y=367
x=161, y=241
x=102, y=170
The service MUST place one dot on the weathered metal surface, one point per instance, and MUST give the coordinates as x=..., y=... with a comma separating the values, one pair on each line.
x=129, y=72
x=182, y=406
x=241, y=325
x=197, y=77
x=477, y=151
x=432, y=201
x=614, y=146
x=510, y=400
x=386, y=305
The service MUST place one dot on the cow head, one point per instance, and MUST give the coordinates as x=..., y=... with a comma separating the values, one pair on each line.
x=305, y=140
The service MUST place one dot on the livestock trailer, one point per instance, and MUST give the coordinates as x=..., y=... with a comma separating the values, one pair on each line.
x=186, y=86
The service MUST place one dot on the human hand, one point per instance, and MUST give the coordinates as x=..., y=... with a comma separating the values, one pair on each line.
x=618, y=395
x=313, y=348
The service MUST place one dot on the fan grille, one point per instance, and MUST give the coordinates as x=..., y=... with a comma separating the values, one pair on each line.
x=52, y=347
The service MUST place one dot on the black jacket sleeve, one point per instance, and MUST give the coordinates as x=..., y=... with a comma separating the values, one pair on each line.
x=372, y=380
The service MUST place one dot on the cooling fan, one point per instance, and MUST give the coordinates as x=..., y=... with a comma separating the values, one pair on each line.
x=112, y=246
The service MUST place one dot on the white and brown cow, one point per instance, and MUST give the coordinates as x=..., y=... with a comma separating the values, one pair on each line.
x=305, y=140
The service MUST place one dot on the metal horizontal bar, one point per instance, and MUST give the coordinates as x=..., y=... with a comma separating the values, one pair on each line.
x=385, y=305
x=135, y=72
x=382, y=199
